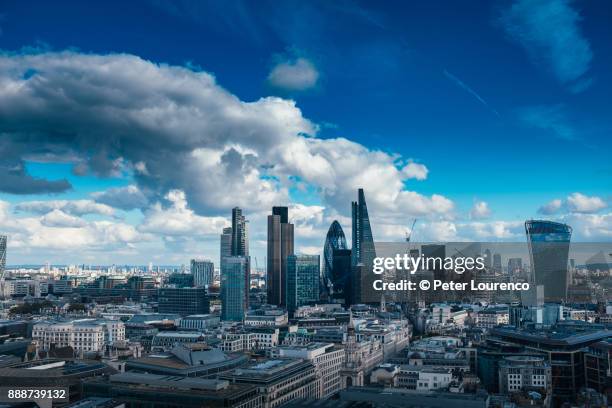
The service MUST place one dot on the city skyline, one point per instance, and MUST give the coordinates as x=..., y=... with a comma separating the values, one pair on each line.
x=117, y=152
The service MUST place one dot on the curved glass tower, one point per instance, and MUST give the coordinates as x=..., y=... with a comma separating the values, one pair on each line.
x=549, y=250
x=333, y=281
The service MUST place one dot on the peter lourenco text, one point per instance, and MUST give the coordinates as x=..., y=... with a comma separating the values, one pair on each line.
x=413, y=264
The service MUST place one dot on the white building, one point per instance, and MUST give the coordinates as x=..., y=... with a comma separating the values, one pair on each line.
x=85, y=335
x=328, y=360
x=489, y=318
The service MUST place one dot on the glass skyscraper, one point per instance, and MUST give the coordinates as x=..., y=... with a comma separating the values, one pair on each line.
x=233, y=294
x=549, y=250
x=302, y=285
x=363, y=253
x=333, y=281
x=3, y=240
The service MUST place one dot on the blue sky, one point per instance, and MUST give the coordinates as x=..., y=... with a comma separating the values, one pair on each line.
x=505, y=103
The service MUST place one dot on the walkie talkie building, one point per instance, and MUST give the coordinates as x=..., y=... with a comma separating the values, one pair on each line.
x=548, y=250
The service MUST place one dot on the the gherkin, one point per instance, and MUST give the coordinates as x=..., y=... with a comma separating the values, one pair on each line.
x=331, y=282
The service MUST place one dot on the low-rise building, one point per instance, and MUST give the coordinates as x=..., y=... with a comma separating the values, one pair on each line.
x=84, y=335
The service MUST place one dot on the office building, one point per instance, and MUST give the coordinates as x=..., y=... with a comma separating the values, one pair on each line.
x=84, y=335
x=327, y=359
x=280, y=246
x=302, y=286
x=435, y=251
x=203, y=272
x=234, y=295
x=341, y=277
x=240, y=236
x=278, y=381
x=3, y=240
x=524, y=373
x=226, y=244
x=363, y=253
x=548, y=250
x=180, y=280
x=183, y=301
x=515, y=266
x=332, y=281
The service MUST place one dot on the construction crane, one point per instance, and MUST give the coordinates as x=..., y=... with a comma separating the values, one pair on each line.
x=409, y=233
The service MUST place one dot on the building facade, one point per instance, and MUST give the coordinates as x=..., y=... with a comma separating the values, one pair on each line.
x=183, y=301
x=233, y=288
x=333, y=282
x=280, y=246
x=363, y=253
x=203, y=272
x=302, y=286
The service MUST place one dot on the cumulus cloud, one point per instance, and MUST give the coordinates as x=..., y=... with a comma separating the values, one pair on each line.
x=72, y=207
x=552, y=207
x=125, y=198
x=177, y=129
x=581, y=203
x=480, y=210
x=550, y=33
x=59, y=231
x=415, y=171
x=295, y=75
x=574, y=203
x=179, y=220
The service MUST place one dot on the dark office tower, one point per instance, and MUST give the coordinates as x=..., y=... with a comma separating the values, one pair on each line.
x=363, y=253
x=280, y=246
x=240, y=238
x=302, y=284
x=226, y=243
x=548, y=250
x=184, y=301
x=3, y=240
x=438, y=252
x=341, y=276
x=334, y=240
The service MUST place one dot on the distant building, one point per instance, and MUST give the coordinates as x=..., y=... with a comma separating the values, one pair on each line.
x=363, y=253
x=341, y=277
x=497, y=263
x=279, y=247
x=226, y=244
x=199, y=322
x=233, y=288
x=302, y=285
x=333, y=282
x=203, y=272
x=180, y=280
x=548, y=249
x=266, y=317
x=183, y=301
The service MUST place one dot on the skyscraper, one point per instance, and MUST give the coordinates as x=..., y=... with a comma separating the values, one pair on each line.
x=341, y=276
x=549, y=250
x=203, y=272
x=302, y=283
x=240, y=246
x=497, y=263
x=332, y=281
x=226, y=244
x=3, y=240
x=280, y=246
x=363, y=253
x=234, y=297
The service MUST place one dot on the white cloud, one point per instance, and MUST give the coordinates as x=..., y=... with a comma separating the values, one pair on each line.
x=415, y=171
x=581, y=203
x=552, y=207
x=179, y=220
x=480, y=210
x=58, y=218
x=574, y=203
x=296, y=75
x=72, y=207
